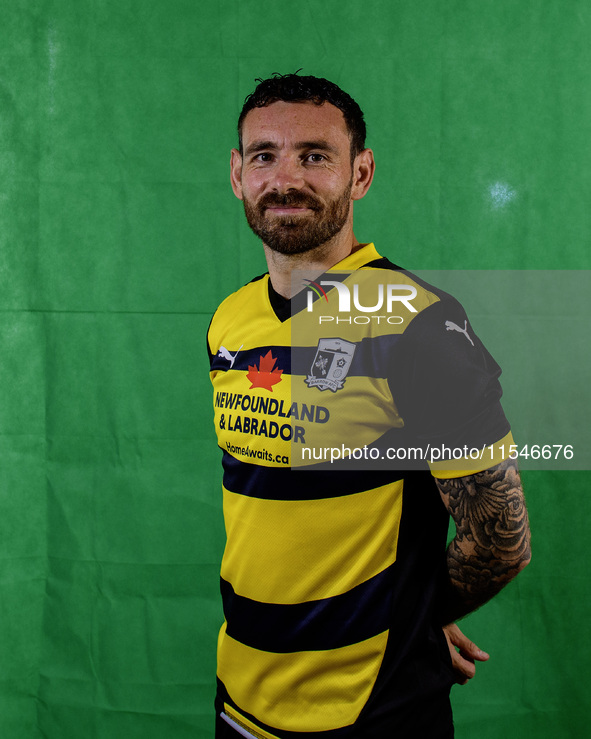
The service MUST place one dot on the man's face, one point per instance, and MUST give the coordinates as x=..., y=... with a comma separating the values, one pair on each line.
x=295, y=174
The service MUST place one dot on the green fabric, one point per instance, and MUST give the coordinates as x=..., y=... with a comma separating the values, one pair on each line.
x=119, y=235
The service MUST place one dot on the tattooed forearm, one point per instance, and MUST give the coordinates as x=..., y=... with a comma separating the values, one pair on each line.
x=492, y=542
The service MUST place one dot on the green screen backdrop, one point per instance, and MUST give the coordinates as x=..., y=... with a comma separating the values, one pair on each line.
x=119, y=235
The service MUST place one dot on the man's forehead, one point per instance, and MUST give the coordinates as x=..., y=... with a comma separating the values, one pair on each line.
x=301, y=120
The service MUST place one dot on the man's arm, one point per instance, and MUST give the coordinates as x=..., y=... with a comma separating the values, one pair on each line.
x=492, y=541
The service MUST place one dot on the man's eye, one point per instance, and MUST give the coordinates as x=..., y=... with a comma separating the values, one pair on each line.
x=315, y=158
x=264, y=157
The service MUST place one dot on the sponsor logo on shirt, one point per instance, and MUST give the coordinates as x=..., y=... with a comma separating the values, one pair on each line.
x=451, y=326
x=266, y=374
x=225, y=354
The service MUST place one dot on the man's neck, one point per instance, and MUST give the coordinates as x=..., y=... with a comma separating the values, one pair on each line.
x=314, y=262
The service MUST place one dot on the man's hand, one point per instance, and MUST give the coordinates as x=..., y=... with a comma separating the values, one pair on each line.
x=462, y=660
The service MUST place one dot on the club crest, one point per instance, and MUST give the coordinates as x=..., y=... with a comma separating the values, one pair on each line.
x=331, y=364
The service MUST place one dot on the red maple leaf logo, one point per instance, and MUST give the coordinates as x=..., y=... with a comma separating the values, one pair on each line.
x=264, y=375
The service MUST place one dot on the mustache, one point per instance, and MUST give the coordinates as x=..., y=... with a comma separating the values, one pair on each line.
x=289, y=200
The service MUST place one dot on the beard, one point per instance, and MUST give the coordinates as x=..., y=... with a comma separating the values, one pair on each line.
x=302, y=233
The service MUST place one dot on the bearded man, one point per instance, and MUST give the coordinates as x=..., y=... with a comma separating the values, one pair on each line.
x=339, y=592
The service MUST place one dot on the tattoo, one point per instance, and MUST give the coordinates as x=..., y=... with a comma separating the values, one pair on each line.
x=492, y=542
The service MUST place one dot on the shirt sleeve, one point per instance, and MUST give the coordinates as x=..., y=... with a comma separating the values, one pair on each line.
x=446, y=387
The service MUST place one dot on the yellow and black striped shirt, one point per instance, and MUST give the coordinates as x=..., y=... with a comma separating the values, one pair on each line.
x=330, y=572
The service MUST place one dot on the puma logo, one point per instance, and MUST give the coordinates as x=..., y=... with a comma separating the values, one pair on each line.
x=225, y=354
x=451, y=326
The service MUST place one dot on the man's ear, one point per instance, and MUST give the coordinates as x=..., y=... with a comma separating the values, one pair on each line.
x=363, y=170
x=236, y=173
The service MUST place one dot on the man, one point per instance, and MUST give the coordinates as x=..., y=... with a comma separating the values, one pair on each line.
x=338, y=593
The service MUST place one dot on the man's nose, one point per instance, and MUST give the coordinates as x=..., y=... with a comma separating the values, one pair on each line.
x=287, y=175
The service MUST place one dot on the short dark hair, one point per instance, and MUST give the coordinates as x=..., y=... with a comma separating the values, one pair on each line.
x=293, y=88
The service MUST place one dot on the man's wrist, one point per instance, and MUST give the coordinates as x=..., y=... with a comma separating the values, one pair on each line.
x=450, y=606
